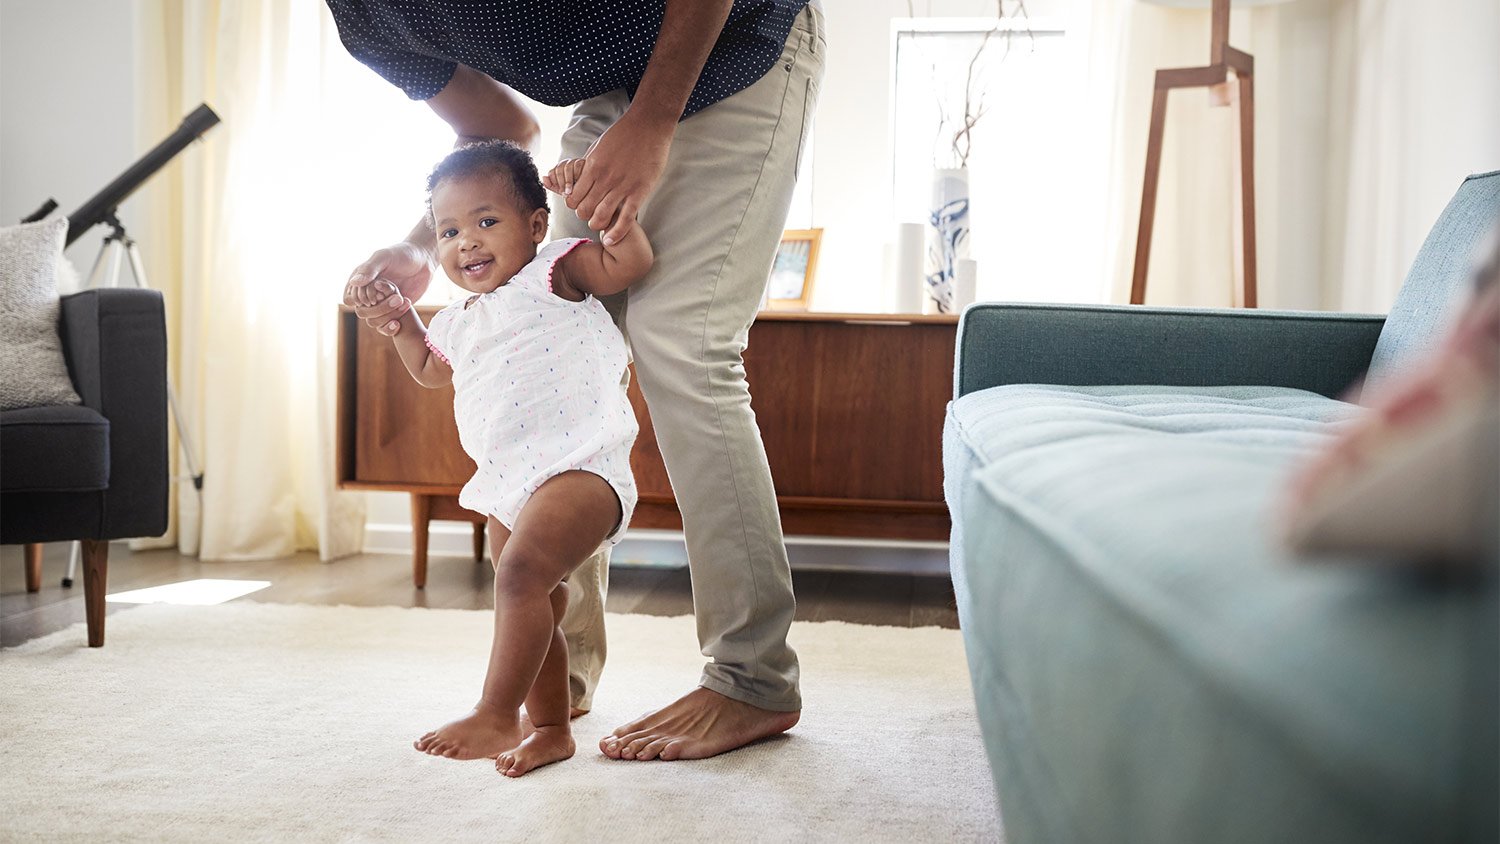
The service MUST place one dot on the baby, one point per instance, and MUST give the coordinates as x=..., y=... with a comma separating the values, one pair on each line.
x=536, y=365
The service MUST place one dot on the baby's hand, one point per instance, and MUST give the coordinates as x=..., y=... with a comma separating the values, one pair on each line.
x=563, y=175
x=369, y=295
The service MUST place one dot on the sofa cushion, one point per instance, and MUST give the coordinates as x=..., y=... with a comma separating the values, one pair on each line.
x=54, y=449
x=1151, y=667
x=1439, y=280
x=30, y=351
x=990, y=424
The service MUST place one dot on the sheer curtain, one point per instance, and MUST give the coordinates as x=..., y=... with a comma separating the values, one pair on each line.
x=251, y=235
x=1368, y=114
x=1415, y=107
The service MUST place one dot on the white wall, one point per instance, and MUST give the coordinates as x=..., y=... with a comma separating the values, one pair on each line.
x=67, y=107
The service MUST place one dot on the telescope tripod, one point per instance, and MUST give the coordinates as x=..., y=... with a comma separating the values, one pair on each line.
x=120, y=249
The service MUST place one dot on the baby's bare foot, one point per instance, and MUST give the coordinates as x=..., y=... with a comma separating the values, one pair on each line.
x=482, y=734
x=543, y=747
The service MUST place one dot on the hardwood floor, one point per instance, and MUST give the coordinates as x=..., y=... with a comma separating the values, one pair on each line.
x=900, y=600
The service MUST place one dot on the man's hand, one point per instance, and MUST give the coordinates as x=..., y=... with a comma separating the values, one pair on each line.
x=619, y=173
x=406, y=268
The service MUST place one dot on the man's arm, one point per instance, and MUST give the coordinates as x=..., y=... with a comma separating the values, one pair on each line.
x=626, y=162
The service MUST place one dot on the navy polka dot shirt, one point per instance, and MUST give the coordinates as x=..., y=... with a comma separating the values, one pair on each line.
x=558, y=52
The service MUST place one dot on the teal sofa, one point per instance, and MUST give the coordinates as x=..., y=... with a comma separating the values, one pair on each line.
x=1149, y=665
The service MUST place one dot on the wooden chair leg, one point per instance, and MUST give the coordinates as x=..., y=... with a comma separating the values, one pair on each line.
x=1247, y=185
x=478, y=542
x=1148, y=194
x=421, y=515
x=95, y=577
x=34, y=567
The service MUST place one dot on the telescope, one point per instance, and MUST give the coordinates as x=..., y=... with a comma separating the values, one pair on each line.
x=101, y=208
x=119, y=250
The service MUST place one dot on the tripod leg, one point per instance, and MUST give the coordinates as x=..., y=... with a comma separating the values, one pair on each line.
x=73, y=554
x=138, y=273
x=92, y=281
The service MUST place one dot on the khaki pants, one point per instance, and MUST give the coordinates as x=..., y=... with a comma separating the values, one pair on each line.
x=714, y=220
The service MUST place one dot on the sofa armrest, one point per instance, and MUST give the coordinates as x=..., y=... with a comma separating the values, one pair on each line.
x=115, y=342
x=1092, y=345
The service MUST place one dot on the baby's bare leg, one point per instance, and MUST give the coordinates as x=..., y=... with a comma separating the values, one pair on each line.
x=456, y=738
x=561, y=525
x=551, y=739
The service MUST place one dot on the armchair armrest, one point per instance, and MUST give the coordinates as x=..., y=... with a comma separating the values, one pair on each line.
x=1081, y=345
x=115, y=342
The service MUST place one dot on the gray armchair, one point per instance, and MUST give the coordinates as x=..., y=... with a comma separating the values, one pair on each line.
x=96, y=471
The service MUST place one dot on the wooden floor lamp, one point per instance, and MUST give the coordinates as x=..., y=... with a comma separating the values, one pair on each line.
x=1229, y=78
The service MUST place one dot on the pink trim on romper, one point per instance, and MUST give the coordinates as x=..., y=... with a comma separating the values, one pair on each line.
x=435, y=350
x=552, y=266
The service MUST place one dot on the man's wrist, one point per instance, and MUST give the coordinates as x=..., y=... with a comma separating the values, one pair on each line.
x=654, y=118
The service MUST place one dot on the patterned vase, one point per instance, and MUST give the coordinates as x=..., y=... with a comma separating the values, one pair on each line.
x=947, y=234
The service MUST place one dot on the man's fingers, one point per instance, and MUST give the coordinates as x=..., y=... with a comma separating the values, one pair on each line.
x=604, y=213
x=624, y=222
x=387, y=308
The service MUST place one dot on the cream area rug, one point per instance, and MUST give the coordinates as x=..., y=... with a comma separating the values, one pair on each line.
x=249, y=721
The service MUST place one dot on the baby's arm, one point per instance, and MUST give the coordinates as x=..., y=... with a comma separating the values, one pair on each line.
x=411, y=344
x=593, y=267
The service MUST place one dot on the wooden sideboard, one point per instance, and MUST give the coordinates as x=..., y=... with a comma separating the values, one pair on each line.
x=850, y=408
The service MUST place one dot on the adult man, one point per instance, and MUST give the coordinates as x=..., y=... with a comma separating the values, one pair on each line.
x=693, y=117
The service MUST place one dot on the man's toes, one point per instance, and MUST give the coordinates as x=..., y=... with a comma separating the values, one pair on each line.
x=672, y=750
x=614, y=746
x=637, y=745
x=653, y=749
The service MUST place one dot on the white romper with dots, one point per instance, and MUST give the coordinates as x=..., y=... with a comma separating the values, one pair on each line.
x=538, y=389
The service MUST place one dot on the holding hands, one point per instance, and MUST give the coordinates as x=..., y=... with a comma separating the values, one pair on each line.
x=383, y=288
x=608, y=186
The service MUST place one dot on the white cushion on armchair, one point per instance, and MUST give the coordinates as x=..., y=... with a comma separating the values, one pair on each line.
x=32, y=369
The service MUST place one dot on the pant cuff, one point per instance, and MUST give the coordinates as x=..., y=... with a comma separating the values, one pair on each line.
x=792, y=703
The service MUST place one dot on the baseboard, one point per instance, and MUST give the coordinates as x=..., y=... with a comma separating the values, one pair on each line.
x=665, y=549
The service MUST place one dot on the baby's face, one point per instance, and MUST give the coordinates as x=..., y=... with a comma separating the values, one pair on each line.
x=483, y=238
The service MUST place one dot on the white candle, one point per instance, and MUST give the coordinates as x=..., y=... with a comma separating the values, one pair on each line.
x=911, y=285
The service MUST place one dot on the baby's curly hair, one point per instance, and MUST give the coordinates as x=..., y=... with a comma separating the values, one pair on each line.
x=501, y=157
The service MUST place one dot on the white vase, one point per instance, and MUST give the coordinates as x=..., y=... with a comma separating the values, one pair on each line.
x=947, y=234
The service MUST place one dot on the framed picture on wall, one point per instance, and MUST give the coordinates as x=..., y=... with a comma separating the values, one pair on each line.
x=792, y=272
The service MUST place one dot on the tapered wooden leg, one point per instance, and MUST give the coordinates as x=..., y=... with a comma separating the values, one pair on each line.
x=478, y=542
x=95, y=577
x=1148, y=194
x=34, y=567
x=421, y=515
x=1247, y=185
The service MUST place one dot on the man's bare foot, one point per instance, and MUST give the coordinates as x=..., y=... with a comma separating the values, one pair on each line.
x=482, y=734
x=698, y=725
x=544, y=746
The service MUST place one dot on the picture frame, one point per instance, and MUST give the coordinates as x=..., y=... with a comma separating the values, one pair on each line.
x=790, y=287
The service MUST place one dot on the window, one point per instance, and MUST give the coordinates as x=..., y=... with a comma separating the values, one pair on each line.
x=1020, y=152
